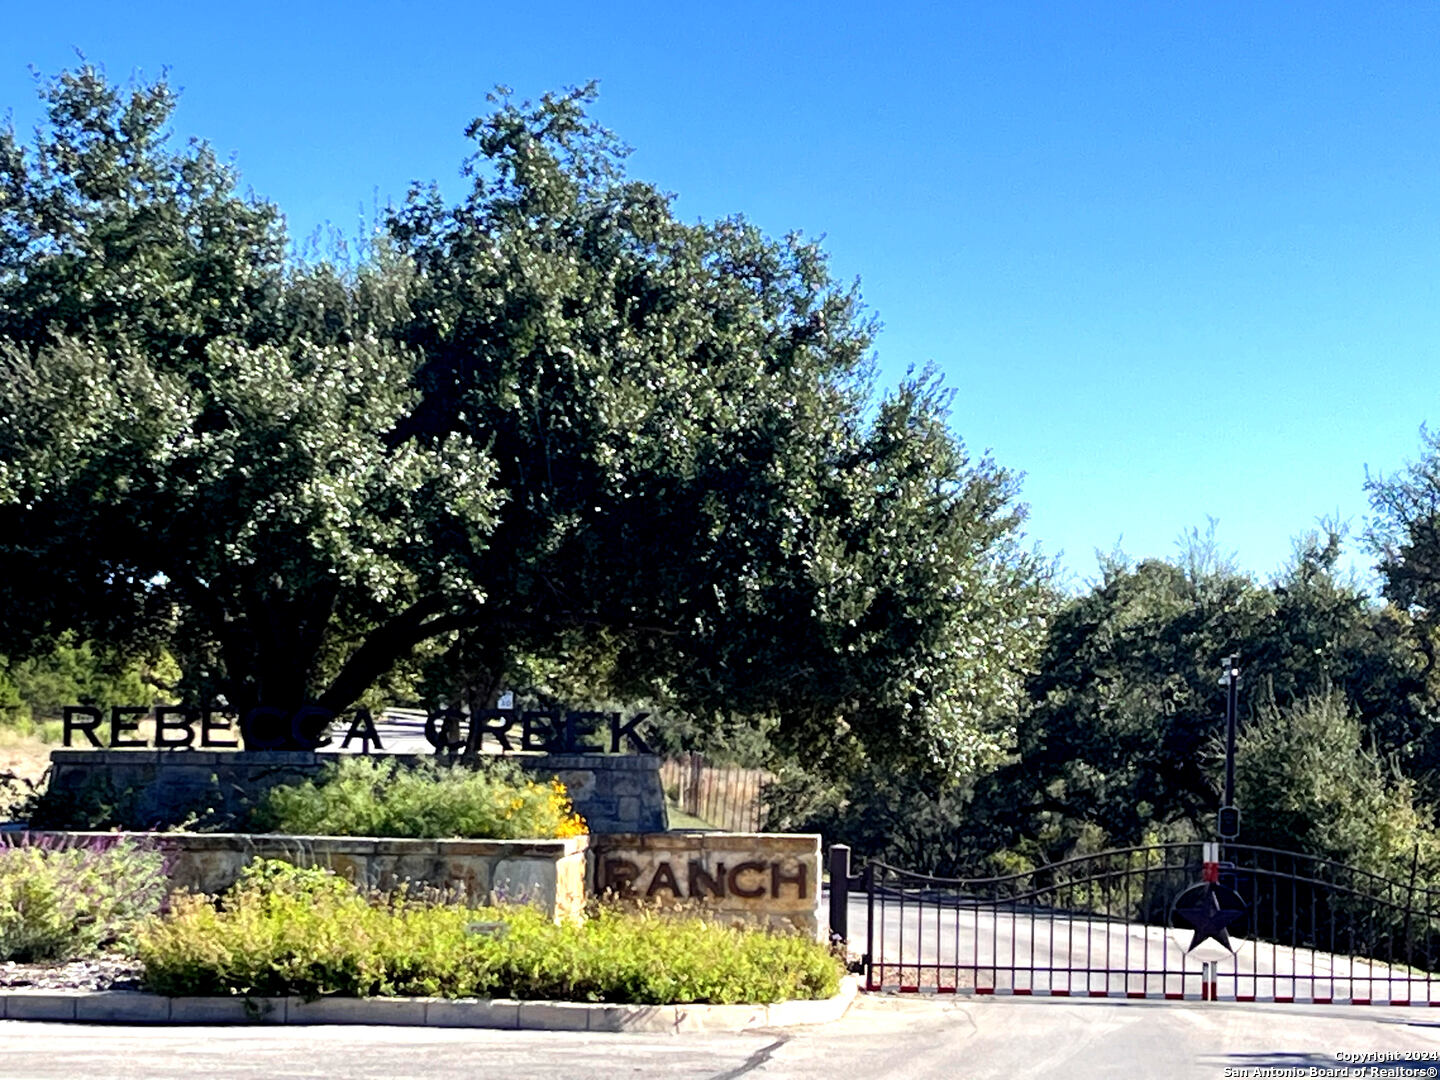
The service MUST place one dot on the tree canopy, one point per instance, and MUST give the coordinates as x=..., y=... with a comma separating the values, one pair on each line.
x=1120, y=736
x=550, y=421
x=1404, y=537
x=1127, y=713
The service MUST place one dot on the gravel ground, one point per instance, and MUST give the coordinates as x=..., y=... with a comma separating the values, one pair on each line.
x=100, y=973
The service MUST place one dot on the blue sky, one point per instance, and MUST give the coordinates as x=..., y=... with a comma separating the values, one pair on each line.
x=1177, y=261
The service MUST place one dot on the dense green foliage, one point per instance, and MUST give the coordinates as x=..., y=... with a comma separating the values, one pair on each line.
x=1127, y=711
x=281, y=932
x=551, y=428
x=1310, y=783
x=363, y=796
x=651, y=387
x=36, y=688
x=1404, y=536
x=1120, y=741
x=62, y=903
x=194, y=441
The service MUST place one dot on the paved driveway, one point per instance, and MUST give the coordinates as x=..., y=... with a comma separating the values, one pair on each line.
x=977, y=1038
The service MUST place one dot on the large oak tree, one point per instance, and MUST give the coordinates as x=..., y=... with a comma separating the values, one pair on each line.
x=551, y=420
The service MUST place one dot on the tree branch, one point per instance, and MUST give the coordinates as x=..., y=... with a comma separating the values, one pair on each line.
x=393, y=641
x=382, y=648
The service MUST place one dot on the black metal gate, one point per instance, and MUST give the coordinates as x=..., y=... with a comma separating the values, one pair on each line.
x=1180, y=921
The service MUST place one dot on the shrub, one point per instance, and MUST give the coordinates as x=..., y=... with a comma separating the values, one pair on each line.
x=362, y=796
x=310, y=937
x=1308, y=781
x=263, y=879
x=19, y=796
x=60, y=903
x=95, y=803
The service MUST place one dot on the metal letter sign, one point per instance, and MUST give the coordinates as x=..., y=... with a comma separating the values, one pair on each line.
x=549, y=730
x=450, y=731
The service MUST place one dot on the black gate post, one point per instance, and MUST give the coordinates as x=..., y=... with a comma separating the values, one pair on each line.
x=839, y=892
x=841, y=882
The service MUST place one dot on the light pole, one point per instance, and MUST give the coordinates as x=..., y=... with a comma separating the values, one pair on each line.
x=1228, y=821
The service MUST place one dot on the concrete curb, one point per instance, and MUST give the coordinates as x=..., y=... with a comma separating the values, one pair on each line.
x=132, y=1007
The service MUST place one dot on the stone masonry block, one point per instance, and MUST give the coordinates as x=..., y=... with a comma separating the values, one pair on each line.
x=524, y=881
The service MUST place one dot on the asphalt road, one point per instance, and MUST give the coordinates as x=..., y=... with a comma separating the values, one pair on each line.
x=978, y=1038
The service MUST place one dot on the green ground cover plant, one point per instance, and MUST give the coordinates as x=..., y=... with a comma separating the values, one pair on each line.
x=62, y=903
x=310, y=933
x=363, y=796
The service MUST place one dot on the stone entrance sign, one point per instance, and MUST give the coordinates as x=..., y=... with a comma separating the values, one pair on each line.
x=765, y=879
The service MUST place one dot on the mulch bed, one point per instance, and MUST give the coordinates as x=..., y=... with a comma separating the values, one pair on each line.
x=99, y=973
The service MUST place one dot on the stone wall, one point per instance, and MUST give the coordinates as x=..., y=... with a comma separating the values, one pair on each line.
x=761, y=879
x=164, y=788
x=161, y=789
x=765, y=879
x=614, y=793
x=548, y=873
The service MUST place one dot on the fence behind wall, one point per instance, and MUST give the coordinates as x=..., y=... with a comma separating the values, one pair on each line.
x=723, y=796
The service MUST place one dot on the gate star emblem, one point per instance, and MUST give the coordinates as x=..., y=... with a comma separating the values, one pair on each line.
x=1209, y=909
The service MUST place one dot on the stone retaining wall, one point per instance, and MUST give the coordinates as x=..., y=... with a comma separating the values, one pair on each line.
x=548, y=873
x=766, y=879
x=761, y=879
x=614, y=793
x=163, y=788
